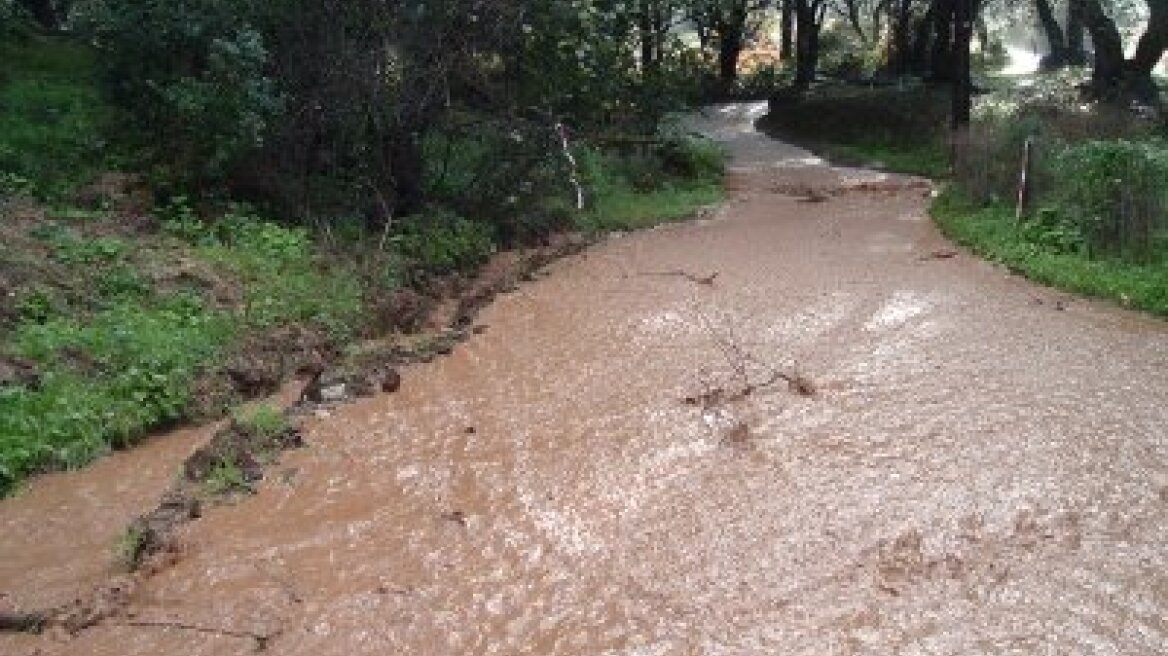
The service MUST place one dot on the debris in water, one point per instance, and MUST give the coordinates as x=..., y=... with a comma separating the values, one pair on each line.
x=390, y=381
x=941, y=254
x=707, y=280
x=801, y=385
x=456, y=516
x=737, y=436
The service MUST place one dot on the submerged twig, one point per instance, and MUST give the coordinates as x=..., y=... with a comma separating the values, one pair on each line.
x=23, y=622
x=261, y=639
x=696, y=279
x=740, y=361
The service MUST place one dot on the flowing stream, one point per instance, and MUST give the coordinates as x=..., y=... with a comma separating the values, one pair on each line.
x=982, y=469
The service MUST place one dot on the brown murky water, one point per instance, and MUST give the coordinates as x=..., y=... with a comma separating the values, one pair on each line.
x=984, y=469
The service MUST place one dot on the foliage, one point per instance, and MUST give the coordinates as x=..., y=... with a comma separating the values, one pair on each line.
x=1096, y=179
x=191, y=79
x=104, y=382
x=284, y=281
x=52, y=119
x=505, y=174
x=227, y=477
x=264, y=420
x=992, y=232
x=441, y=242
x=1113, y=193
x=673, y=179
x=902, y=128
x=129, y=547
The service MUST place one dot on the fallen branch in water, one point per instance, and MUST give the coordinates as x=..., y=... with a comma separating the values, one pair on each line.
x=261, y=639
x=23, y=622
x=740, y=361
x=696, y=279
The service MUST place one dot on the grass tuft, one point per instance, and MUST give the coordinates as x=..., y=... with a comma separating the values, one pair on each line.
x=991, y=232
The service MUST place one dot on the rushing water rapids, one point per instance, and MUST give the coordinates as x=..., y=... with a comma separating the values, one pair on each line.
x=983, y=468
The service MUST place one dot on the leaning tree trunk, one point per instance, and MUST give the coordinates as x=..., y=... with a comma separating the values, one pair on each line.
x=1149, y=51
x=1057, y=57
x=1107, y=74
x=918, y=62
x=648, y=41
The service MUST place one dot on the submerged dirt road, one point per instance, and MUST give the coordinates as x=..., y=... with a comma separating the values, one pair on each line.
x=982, y=470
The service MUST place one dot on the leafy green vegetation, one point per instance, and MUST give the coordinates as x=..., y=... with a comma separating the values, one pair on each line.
x=669, y=179
x=104, y=380
x=1049, y=254
x=118, y=350
x=902, y=129
x=53, y=118
x=130, y=314
x=441, y=242
x=929, y=159
x=264, y=420
x=227, y=477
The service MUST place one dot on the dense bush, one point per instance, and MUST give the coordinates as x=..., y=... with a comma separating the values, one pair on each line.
x=1096, y=177
x=1114, y=193
x=441, y=242
x=52, y=119
x=192, y=80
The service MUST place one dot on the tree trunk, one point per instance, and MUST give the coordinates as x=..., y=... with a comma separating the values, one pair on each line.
x=407, y=172
x=648, y=40
x=806, y=43
x=44, y=12
x=1057, y=57
x=1152, y=45
x=918, y=62
x=787, y=30
x=729, y=48
x=1107, y=75
x=963, y=13
x=901, y=41
x=1076, y=49
x=941, y=56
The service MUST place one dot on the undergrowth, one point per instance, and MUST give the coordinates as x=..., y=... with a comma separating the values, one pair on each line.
x=892, y=128
x=53, y=119
x=112, y=318
x=1045, y=255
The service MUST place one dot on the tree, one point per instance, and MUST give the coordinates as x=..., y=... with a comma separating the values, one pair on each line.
x=49, y=14
x=808, y=23
x=725, y=26
x=1149, y=51
x=1059, y=54
x=1112, y=77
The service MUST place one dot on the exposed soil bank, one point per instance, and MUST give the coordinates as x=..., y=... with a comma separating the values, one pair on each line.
x=983, y=467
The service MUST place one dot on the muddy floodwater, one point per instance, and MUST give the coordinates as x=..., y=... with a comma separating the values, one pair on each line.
x=618, y=466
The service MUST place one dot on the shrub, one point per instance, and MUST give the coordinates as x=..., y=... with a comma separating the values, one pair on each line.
x=284, y=281
x=263, y=421
x=105, y=381
x=441, y=242
x=53, y=122
x=1114, y=192
x=191, y=78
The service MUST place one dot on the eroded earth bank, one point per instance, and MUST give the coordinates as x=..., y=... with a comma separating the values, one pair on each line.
x=851, y=440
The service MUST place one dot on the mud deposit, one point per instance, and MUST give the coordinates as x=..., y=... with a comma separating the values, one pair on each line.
x=981, y=469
